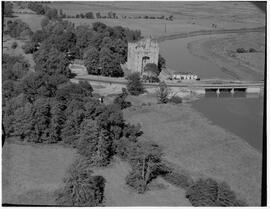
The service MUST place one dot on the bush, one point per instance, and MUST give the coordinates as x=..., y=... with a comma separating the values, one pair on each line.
x=208, y=192
x=175, y=100
x=180, y=180
x=241, y=50
x=120, y=99
x=81, y=188
x=136, y=181
x=135, y=86
x=162, y=93
x=14, y=45
x=145, y=159
x=251, y=50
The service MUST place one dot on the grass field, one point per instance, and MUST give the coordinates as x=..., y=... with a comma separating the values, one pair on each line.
x=222, y=51
x=189, y=16
x=191, y=142
x=117, y=193
x=31, y=173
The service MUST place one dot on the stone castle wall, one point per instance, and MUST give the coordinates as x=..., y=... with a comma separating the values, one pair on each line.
x=141, y=53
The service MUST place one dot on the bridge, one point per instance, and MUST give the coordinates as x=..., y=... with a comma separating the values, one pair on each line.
x=200, y=87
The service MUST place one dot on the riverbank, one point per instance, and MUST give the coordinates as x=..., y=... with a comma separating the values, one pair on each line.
x=209, y=32
x=191, y=142
x=222, y=52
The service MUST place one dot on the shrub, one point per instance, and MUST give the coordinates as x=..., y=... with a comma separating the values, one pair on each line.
x=29, y=47
x=136, y=181
x=94, y=144
x=241, y=50
x=162, y=93
x=251, y=50
x=135, y=86
x=208, y=192
x=81, y=188
x=175, y=100
x=14, y=45
x=120, y=99
x=145, y=159
x=178, y=179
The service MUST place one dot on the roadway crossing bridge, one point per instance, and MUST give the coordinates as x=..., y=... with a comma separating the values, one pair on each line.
x=200, y=87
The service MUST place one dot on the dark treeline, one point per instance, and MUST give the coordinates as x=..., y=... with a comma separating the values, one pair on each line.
x=102, y=48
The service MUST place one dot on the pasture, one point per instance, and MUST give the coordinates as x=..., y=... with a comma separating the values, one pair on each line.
x=191, y=142
x=31, y=173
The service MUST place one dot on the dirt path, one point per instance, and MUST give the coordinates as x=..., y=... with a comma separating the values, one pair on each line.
x=117, y=193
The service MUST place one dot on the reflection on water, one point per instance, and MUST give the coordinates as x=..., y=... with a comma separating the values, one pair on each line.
x=241, y=114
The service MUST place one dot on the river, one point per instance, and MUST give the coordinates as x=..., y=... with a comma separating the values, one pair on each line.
x=240, y=115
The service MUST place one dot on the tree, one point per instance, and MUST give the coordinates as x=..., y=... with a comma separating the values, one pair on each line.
x=109, y=65
x=145, y=159
x=89, y=15
x=39, y=84
x=99, y=27
x=57, y=120
x=71, y=128
x=14, y=45
x=83, y=38
x=18, y=28
x=151, y=72
x=80, y=187
x=14, y=67
x=208, y=192
x=163, y=93
x=44, y=22
x=98, y=16
x=7, y=9
x=135, y=86
x=91, y=60
x=51, y=14
x=51, y=61
x=120, y=99
x=161, y=63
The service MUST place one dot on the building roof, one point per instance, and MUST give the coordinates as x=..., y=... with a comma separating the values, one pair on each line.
x=183, y=73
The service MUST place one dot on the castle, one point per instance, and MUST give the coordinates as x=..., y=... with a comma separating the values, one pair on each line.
x=141, y=53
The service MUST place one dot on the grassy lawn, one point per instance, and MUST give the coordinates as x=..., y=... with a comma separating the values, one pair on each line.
x=31, y=173
x=191, y=142
x=117, y=193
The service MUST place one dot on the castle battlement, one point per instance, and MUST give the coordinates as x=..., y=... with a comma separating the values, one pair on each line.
x=141, y=53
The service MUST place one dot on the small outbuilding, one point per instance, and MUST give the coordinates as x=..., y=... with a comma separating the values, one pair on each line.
x=184, y=76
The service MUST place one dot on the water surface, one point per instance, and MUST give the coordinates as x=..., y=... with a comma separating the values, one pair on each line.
x=179, y=59
x=240, y=115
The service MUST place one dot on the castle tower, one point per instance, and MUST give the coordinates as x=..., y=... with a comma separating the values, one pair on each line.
x=141, y=53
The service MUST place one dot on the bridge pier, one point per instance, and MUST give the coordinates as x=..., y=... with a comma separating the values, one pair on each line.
x=253, y=90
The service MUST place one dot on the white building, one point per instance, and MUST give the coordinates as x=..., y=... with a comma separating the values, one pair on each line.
x=184, y=76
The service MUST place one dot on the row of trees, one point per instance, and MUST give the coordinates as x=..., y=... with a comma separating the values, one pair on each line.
x=18, y=29
x=7, y=8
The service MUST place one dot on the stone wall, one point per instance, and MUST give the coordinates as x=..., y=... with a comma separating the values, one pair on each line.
x=140, y=53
